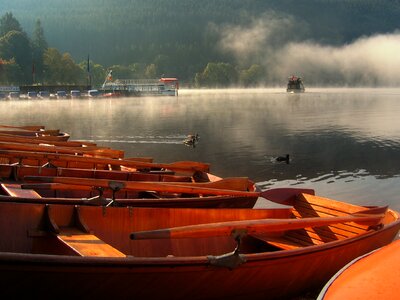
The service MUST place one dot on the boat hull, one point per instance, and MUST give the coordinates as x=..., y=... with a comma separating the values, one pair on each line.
x=270, y=276
x=31, y=259
x=371, y=276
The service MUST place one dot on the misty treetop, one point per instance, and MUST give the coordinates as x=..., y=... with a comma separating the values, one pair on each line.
x=253, y=41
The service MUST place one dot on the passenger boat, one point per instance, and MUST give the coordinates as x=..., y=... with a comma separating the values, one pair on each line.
x=180, y=253
x=165, y=86
x=295, y=85
x=374, y=275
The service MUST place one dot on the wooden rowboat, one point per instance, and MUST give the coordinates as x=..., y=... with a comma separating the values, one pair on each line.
x=27, y=127
x=227, y=192
x=106, y=187
x=87, y=151
x=78, y=161
x=374, y=275
x=17, y=173
x=220, y=201
x=177, y=253
x=47, y=134
x=38, y=140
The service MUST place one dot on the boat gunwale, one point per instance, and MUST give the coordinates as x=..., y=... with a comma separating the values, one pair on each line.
x=137, y=202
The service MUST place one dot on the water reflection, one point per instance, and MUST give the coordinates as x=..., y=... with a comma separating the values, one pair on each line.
x=343, y=141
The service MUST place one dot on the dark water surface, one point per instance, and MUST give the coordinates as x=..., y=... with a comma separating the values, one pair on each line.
x=344, y=143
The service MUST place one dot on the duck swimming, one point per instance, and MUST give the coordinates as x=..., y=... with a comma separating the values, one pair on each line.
x=283, y=158
x=191, y=139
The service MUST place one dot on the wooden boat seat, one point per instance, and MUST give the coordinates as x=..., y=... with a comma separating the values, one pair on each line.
x=313, y=206
x=15, y=190
x=281, y=242
x=86, y=244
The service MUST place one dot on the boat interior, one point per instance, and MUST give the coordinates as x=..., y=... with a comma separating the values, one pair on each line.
x=105, y=232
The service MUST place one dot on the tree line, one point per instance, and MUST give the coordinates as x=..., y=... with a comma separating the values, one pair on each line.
x=176, y=38
x=28, y=60
x=25, y=60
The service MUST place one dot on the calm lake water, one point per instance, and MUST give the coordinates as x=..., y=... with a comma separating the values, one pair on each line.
x=344, y=143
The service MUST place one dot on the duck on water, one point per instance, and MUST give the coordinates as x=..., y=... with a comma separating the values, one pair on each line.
x=283, y=158
x=191, y=139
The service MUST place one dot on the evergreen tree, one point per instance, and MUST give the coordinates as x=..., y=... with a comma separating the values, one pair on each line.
x=9, y=23
x=39, y=45
x=52, y=66
x=16, y=45
x=38, y=38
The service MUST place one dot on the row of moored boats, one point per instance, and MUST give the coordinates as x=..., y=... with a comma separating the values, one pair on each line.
x=79, y=218
x=61, y=94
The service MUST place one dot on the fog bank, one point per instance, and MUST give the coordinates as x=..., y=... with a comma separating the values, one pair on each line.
x=282, y=46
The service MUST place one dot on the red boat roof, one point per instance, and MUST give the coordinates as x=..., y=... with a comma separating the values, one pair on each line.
x=168, y=79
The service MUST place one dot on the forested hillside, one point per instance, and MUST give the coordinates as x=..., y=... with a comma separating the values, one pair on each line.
x=180, y=37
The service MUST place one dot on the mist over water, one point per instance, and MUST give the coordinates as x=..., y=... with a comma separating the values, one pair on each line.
x=282, y=45
x=344, y=143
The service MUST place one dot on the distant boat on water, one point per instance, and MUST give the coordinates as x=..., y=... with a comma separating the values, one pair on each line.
x=165, y=86
x=295, y=85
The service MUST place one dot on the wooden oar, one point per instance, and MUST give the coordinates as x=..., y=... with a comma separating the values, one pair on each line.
x=233, y=183
x=253, y=226
x=31, y=127
x=38, y=140
x=167, y=187
x=55, y=186
x=111, y=153
x=188, y=166
x=48, y=200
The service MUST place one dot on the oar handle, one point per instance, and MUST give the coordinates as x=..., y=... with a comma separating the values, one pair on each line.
x=54, y=186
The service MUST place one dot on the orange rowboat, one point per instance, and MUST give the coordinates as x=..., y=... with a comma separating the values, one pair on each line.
x=55, y=158
x=106, y=192
x=93, y=251
x=375, y=275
